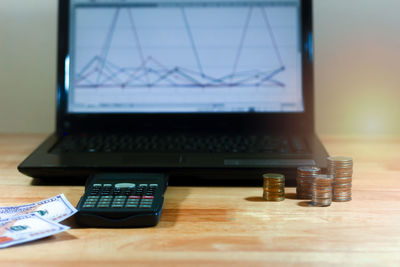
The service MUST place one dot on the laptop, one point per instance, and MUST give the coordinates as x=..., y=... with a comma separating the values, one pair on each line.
x=215, y=91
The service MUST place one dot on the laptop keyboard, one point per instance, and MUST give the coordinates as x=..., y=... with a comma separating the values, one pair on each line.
x=180, y=143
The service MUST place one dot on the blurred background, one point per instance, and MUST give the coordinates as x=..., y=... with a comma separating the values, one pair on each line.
x=357, y=66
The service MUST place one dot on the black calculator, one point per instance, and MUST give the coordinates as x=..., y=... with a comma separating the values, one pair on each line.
x=122, y=200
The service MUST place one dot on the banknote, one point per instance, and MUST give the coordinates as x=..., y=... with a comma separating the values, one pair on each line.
x=55, y=209
x=27, y=227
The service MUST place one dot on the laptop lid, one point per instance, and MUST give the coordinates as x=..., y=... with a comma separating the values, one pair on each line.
x=223, y=65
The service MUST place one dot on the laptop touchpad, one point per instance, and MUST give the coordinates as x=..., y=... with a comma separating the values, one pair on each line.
x=268, y=162
x=158, y=160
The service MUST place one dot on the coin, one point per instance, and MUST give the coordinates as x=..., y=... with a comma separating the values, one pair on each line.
x=342, y=170
x=274, y=190
x=343, y=180
x=322, y=190
x=274, y=176
x=340, y=160
x=305, y=177
x=274, y=187
x=325, y=202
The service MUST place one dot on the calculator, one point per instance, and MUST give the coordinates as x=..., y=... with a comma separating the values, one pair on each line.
x=122, y=200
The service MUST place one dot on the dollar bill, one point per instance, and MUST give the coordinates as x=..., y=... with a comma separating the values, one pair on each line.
x=55, y=209
x=25, y=228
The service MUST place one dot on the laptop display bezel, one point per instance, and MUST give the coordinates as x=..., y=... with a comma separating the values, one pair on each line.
x=226, y=122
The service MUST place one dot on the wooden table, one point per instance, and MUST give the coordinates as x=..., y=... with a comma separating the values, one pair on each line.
x=228, y=226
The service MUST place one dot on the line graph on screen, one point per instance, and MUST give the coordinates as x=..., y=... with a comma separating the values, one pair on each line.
x=210, y=56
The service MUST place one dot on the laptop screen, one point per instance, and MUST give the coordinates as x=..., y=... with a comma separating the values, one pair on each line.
x=130, y=56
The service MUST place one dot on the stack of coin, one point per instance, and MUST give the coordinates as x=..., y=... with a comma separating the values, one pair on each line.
x=322, y=190
x=305, y=177
x=342, y=170
x=274, y=187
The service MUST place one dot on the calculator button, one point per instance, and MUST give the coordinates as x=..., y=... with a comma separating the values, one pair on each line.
x=91, y=199
x=89, y=203
x=148, y=197
x=131, y=206
x=153, y=185
x=134, y=197
x=103, y=206
x=145, y=206
x=125, y=185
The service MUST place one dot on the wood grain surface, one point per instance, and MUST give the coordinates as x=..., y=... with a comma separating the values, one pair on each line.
x=229, y=226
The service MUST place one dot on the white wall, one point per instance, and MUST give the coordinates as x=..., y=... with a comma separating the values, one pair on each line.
x=27, y=65
x=357, y=66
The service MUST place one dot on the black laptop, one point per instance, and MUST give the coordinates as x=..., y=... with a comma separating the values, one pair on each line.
x=204, y=91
